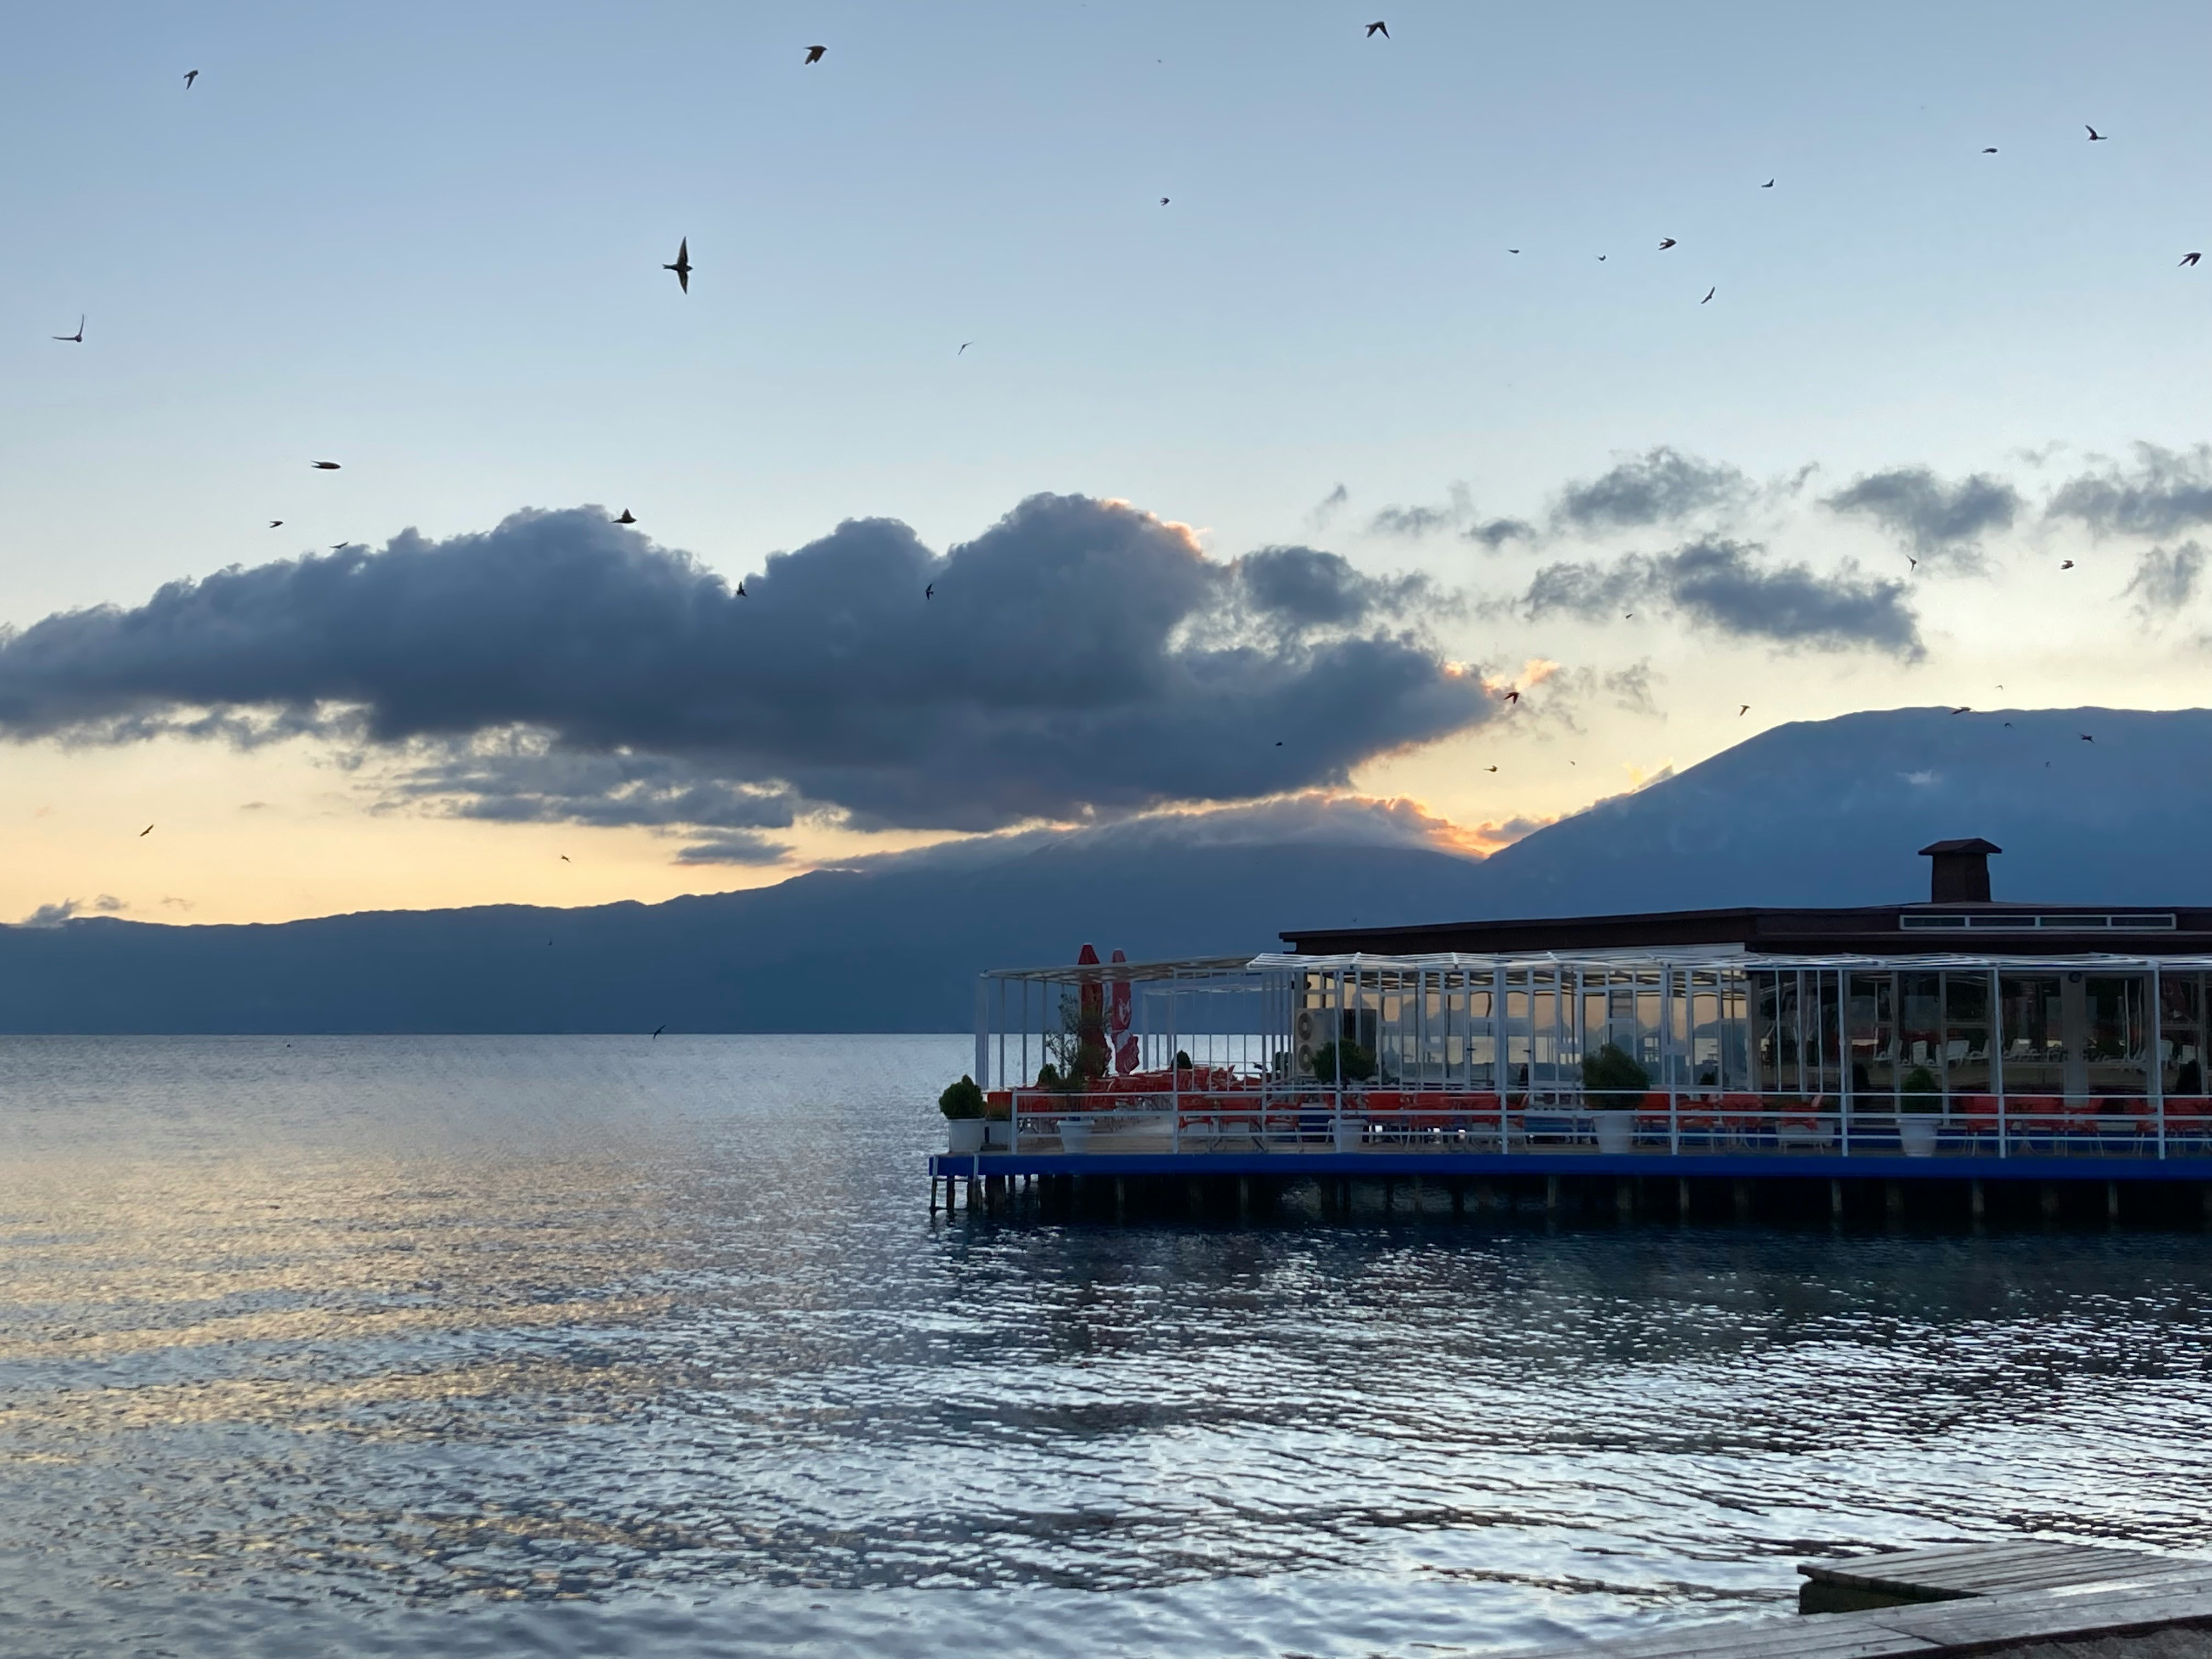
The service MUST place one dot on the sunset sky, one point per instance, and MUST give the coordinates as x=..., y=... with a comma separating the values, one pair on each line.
x=1326, y=470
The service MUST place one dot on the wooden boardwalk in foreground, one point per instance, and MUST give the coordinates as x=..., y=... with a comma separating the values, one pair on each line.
x=1958, y=1599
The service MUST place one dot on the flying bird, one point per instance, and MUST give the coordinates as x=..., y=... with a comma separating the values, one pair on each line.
x=1666, y=242
x=147, y=831
x=1962, y=711
x=964, y=344
x=564, y=857
x=1991, y=150
x=628, y=517
x=1769, y=185
x=1600, y=258
x=2066, y=564
x=2085, y=736
x=741, y=591
x=1512, y=697
x=2190, y=259
x=1163, y=200
x=1512, y=250
x=276, y=524
x=658, y=1030
x=1911, y=560
x=190, y=75
x=77, y=338
x=2095, y=137
x=814, y=53
x=325, y=466
x=930, y=591
x=1742, y=709
x=1710, y=292
x=1380, y=27
x=1490, y=769
x=683, y=265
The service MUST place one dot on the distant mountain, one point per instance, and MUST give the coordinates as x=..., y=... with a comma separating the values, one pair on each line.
x=1825, y=813
x=1833, y=812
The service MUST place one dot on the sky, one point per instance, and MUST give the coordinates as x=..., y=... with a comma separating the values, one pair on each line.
x=1277, y=489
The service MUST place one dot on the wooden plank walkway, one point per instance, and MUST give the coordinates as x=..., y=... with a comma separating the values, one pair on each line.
x=1958, y=1599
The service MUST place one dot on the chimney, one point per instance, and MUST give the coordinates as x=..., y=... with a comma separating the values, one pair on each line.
x=1960, y=873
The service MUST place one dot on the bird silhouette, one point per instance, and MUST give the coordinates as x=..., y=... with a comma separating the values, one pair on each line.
x=276, y=524
x=1279, y=743
x=1163, y=200
x=741, y=591
x=325, y=466
x=1512, y=250
x=658, y=1030
x=1962, y=711
x=2066, y=564
x=1600, y=258
x=1742, y=709
x=190, y=75
x=1769, y=185
x=147, y=831
x=1512, y=697
x=1490, y=769
x=628, y=517
x=683, y=265
x=564, y=857
x=814, y=53
x=1380, y=27
x=930, y=591
x=77, y=338
x=1914, y=563
x=2095, y=137
x=2190, y=259
x=1709, y=295
x=1991, y=150
x=2085, y=736
x=964, y=344
x=1666, y=242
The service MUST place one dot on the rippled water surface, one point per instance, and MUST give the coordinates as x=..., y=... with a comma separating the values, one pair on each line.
x=600, y=1345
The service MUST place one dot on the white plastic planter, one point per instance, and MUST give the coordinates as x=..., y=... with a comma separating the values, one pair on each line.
x=963, y=1136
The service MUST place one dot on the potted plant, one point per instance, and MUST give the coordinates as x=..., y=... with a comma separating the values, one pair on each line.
x=1613, y=1084
x=1919, y=1098
x=1356, y=1064
x=962, y=1103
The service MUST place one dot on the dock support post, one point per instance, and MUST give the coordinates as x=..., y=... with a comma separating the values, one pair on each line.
x=1892, y=1199
x=1624, y=1198
x=1835, y=1200
x=1682, y=1197
x=1485, y=1198
x=1742, y=1192
x=1459, y=1197
x=1551, y=1195
x=1243, y=1199
x=1976, y=1199
x=2050, y=1201
x=1121, y=1199
x=1388, y=1185
x=971, y=1194
x=2112, y=1203
x=933, y=1195
x=2204, y=1199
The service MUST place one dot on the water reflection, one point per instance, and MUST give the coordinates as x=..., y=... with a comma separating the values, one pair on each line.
x=494, y=1346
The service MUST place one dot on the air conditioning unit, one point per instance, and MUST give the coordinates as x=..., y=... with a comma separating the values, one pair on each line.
x=1311, y=1031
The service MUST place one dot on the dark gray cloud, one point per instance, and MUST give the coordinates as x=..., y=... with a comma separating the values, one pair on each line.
x=2166, y=578
x=517, y=777
x=1307, y=588
x=1080, y=657
x=1327, y=507
x=735, y=846
x=1732, y=588
x=2167, y=490
x=1411, y=522
x=1496, y=533
x=1937, y=520
x=1662, y=486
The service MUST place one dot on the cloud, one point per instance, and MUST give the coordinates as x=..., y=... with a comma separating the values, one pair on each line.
x=1327, y=507
x=1081, y=658
x=517, y=776
x=1730, y=588
x=2166, y=580
x=61, y=910
x=1662, y=486
x=1306, y=588
x=736, y=847
x=1496, y=533
x=1937, y=519
x=2168, y=491
x=1410, y=522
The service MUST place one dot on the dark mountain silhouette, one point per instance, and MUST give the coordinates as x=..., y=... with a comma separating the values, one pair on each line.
x=1826, y=812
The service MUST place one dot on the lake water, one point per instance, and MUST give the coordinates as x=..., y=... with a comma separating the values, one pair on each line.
x=606, y=1346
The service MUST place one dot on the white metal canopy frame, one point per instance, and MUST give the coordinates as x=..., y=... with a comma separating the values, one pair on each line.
x=2073, y=1052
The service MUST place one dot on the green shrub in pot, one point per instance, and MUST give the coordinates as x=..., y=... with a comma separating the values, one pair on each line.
x=963, y=1099
x=1920, y=1091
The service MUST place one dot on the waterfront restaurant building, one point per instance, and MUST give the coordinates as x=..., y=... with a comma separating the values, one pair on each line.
x=1962, y=1029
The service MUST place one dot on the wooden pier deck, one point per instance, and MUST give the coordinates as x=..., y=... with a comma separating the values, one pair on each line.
x=1960, y=1599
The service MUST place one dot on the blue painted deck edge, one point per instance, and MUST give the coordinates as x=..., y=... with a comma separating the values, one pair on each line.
x=1693, y=1166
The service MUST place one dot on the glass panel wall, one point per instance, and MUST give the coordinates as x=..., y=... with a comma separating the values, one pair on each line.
x=2117, y=1034
x=2034, y=1033
x=2181, y=1033
x=1874, y=1034
x=1967, y=1032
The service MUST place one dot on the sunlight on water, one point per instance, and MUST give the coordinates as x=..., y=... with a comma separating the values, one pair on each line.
x=486, y=1345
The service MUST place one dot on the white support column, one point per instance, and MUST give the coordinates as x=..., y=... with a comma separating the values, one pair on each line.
x=2155, y=1061
x=1996, y=1053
